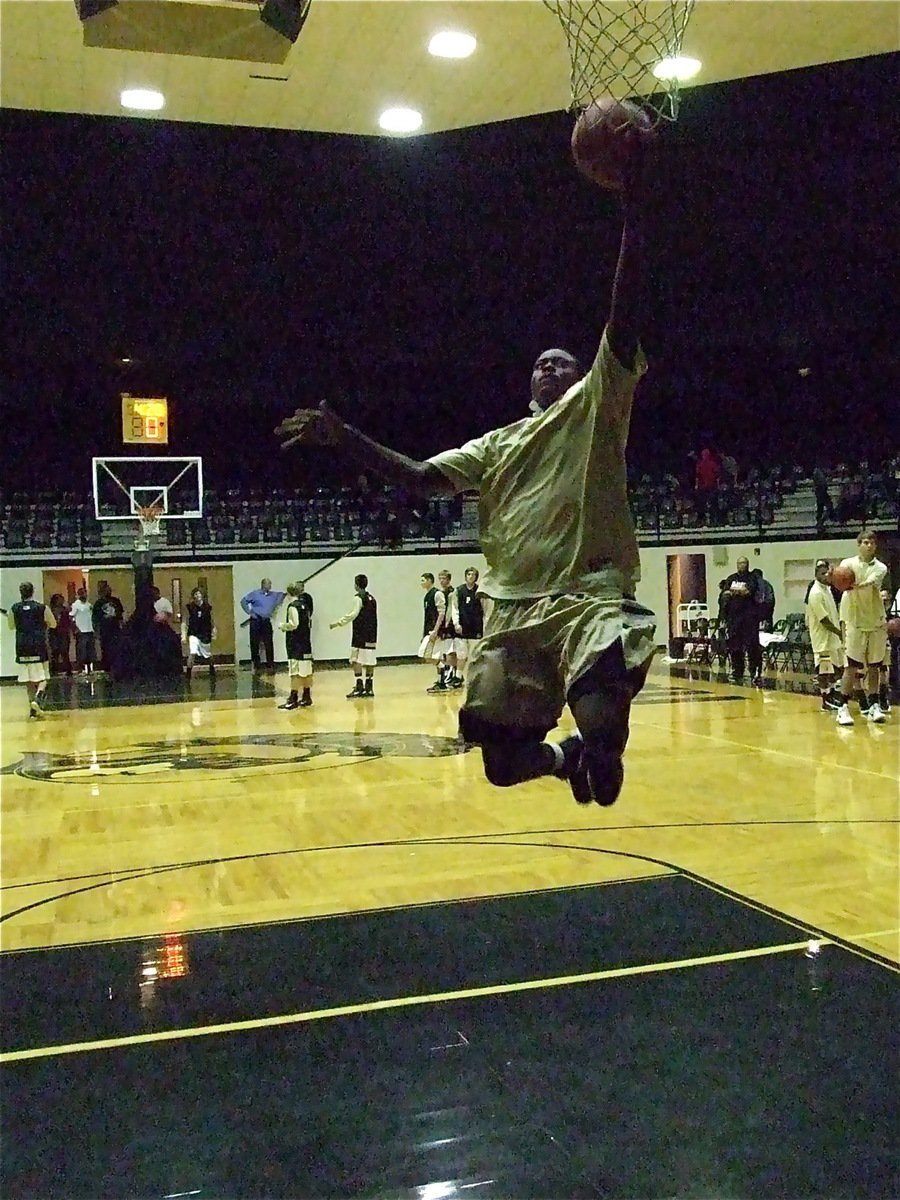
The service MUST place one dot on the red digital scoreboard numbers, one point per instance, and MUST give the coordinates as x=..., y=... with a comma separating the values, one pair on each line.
x=145, y=420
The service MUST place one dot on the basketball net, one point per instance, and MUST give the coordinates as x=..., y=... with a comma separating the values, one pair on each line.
x=148, y=518
x=614, y=46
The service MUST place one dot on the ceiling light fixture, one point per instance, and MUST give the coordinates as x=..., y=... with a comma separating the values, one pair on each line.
x=449, y=44
x=143, y=99
x=400, y=120
x=680, y=69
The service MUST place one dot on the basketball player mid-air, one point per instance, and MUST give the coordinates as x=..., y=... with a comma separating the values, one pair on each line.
x=557, y=534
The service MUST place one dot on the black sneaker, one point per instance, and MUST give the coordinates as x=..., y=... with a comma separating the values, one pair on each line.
x=289, y=704
x=356, y=694
x=440, y=686
x=305, y=702
x=830, y=703
x=574, y=771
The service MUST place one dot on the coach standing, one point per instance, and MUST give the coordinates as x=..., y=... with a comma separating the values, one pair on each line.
x=259, y=605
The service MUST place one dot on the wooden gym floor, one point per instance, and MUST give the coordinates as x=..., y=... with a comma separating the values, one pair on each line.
x=250, y=952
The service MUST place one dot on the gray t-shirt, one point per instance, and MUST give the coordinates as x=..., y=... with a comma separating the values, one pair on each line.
x=553, y=504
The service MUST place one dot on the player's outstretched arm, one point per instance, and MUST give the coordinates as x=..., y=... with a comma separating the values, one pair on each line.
x=323, y=427
x=626, y=306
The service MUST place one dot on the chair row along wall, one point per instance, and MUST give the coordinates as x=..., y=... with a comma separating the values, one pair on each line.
x=671, y=575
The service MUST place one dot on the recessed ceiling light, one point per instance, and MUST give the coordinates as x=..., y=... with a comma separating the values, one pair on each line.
x=678, y=69
x=144, y=99
x=400, y=120
x=449, y=44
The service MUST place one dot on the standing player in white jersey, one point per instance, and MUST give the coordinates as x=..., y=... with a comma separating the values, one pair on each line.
x=557, y=534
x=865, y=629
x=824, y=626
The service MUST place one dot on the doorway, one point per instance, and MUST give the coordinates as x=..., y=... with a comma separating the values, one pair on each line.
x=686, y=579
x=175, y=582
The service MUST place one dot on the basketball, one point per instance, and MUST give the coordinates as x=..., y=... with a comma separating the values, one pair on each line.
x=604, y=137
x=893, y=628
x=843, y=578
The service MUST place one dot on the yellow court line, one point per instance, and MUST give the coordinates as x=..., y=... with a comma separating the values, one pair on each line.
x=321, y=1014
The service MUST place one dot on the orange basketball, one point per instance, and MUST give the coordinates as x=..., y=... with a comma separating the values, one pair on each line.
x=843, y=578
x=603, y=138
x=893, y=628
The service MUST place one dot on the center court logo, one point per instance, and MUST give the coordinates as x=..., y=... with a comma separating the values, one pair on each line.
x=260, y=752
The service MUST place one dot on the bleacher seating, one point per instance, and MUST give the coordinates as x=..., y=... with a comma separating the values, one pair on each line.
x=758, y=503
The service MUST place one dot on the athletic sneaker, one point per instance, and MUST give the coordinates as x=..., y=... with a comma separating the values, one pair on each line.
x=843, y=715
x=875, y=715
x=440, y=686
x=574, y=771
x=289, y=704
x=456, y=682
x=830, y=704
x=36, y=711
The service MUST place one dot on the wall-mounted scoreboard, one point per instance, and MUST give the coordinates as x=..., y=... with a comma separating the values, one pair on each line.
x=145, y=420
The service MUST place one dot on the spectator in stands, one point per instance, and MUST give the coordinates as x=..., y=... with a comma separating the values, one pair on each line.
x=706, y=481
x=259, y=605
x=30, y=619
x=61, y=636
x=742, y=615
x=82, y=613
x=108, y=613
x=729, y=469
x=824, y=507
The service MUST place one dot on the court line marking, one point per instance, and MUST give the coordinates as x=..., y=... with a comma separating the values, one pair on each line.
x=516, y=840
x=369, y=1006
x=125, y=873
x=711, y=737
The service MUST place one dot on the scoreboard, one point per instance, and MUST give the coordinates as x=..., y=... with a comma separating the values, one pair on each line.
x=145, y=420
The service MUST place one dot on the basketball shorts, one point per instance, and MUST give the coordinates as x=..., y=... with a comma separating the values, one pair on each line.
x=827, y=663
x=445, y=646
x=866, y=646
x=362, y=657
x=426, y=647
x=828, y=654
x=534, y=650
x=197, y=648
x=301, y=667
x=33, y=672
x=465, y=647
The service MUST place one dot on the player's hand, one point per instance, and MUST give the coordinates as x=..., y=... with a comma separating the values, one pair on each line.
x=311, y=426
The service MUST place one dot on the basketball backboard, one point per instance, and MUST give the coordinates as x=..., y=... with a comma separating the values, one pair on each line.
x=121, y=486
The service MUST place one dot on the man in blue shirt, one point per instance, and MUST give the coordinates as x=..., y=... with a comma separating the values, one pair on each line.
x=259, y=605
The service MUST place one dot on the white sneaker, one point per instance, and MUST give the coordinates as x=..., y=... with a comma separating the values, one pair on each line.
x=875, y=715
x=843, y=715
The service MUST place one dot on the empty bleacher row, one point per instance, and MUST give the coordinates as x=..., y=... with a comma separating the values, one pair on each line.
x=773, y=503
x=279, y=521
